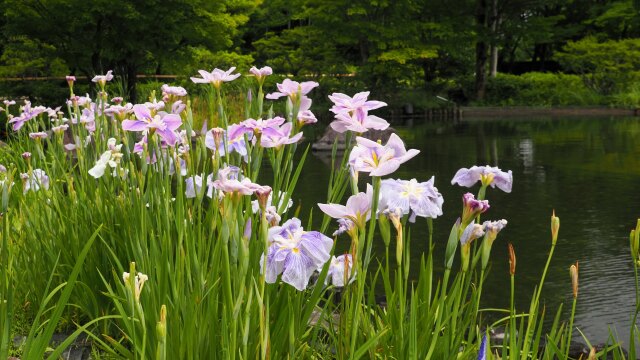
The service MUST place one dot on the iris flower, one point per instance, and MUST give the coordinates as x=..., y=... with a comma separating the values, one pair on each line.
x=235, y=143
x=357, y=209
x=291, y=89
x=38, y=179
x=163, y=124
x=472, y=207
x=419, y=199
x=261, y=73
x=295, y=254
x=378, y=160
x=216, y=77
x=110, y=157
x=173, y=90
x=487, y=175
x=281, y=137
x=27, y=114
x=340, y=270
x=352, y=113
x=102, y=79
x=228, y=182
x=258, y=127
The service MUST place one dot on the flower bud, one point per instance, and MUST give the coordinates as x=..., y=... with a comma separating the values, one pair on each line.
x=470, y=233
x=70, y=80
x=395, y=217
x=217, y=136
x=512, y=260
x=555, y=226
x=247, y=230
x=592, y=354
x=161, y=328
x=472, y=208
x=573, y=271
x=262, y=193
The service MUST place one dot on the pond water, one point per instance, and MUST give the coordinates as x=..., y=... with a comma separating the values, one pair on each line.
x=587, y=169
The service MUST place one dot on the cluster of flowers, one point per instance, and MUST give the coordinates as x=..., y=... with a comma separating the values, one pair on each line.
x=293, y=254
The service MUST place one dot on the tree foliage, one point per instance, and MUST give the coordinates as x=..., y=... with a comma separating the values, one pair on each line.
x=127, y=36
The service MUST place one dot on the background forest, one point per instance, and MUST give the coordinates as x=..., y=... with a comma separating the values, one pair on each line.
x=477, y=52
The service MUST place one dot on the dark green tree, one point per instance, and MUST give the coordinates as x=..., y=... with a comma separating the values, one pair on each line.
x=127, y=36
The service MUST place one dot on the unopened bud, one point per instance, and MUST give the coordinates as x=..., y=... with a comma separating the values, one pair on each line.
x=512, y=260
x=70, y=80
x=217, y=136
x=262, y=194
x=247, y=230
x=592, y=354
x=573, y=271
x=161, y=327
x=555, y=226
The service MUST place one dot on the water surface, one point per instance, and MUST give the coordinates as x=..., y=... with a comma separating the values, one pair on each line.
x=587, y=169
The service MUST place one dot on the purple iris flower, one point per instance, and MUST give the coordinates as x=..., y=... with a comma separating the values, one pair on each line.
x=173, y=90
x=216, y=77
x=472, y=207
x=38, y=179
x=155, y=105
x=344, y=122
x=163, y=124
x=340, y=270
x=470, y=233
x=268, y=126
x=291, y=88
x=102, y=79
x=358, y=104
x=178, y=107
x=27, y=114
x=38, y=135
x=228, y=182
x=487, y=175
x=421, y=199
x=193, y=185
x=352, y=113
x=261, y=73
x=372, y=157
x=279, y=138
x=357, y=209
x=295, y=254
x=305, y=116
x=235, y=143
x=482, y=353
x=119, y=111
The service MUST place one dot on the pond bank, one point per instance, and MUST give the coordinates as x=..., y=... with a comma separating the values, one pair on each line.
x=516, y=111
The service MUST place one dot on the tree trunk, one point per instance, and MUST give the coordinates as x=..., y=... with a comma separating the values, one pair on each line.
x=494, y=35
x=131, y=82
x=481, y=49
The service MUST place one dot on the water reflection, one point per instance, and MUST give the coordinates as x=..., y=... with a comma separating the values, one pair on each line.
x=586, y=169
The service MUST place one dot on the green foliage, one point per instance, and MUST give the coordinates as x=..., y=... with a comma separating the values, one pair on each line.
x=127, y=37
x=605, y=65
x=540, y=89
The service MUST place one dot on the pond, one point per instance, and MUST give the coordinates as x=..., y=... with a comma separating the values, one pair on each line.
x=587, y=169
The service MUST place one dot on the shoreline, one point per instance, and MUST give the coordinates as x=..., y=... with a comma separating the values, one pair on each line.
x=516, y=111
